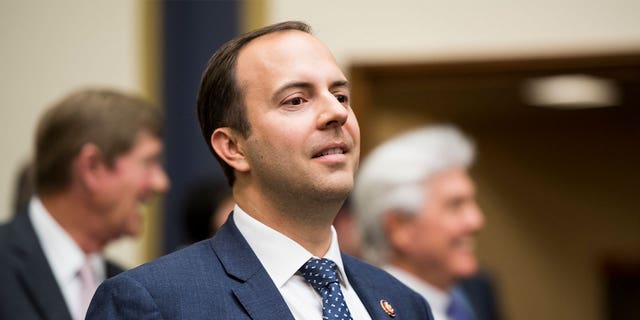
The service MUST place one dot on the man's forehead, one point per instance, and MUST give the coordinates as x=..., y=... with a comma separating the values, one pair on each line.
x=285, y=56
x=276, y=37
x=146, y=141
x=280, y=45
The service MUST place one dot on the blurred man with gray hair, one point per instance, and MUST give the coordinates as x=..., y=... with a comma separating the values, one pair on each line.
x=416, y=204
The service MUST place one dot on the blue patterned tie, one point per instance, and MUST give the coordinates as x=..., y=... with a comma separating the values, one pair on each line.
x=323, y=276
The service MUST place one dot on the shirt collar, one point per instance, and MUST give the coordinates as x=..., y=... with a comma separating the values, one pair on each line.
x=438, y=299
x=56, y=242
x=279, y=254
x=63, y=254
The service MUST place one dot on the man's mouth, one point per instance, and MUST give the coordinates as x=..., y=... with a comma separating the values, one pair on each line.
x=465, y=243
x=329, y=152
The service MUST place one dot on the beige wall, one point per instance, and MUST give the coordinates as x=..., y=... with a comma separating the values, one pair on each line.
x=50, y=48
x=418, y=29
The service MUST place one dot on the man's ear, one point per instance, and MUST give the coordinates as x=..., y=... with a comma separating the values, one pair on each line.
x=397, y=226
x=228, y=144
x=90, y=166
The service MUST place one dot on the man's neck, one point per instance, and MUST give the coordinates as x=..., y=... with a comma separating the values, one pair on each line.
x=306, y=222
x=75, y=219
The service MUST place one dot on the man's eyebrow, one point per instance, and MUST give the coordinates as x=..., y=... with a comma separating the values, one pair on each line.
x=290, y=85
x=340, y=83
x=308, y=85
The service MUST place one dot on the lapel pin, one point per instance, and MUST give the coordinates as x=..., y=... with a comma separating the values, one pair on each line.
x=388, y=308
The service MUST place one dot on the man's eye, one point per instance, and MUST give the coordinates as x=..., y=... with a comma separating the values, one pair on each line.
x=342, y=98
x=150, y=162
x=456, y=203
x=295, y=101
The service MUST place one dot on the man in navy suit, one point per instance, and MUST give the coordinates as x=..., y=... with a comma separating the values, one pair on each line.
x=274, y=108
x=416, y=203
x=97, y=159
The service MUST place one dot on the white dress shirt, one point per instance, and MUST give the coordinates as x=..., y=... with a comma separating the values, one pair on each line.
x=282, y=257
x=438, y=299
x=64, y=256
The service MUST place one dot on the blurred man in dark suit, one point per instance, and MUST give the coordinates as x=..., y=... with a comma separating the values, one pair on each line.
x=416, y=204
x=97, y=161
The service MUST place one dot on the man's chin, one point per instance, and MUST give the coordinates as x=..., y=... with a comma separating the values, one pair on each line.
x=340, y=191
x=465, y=267
x=337, y=185
x=134, y=225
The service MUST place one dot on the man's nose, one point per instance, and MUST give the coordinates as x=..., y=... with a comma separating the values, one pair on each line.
x=159, y=180
x=333, y=113
x=474, y=217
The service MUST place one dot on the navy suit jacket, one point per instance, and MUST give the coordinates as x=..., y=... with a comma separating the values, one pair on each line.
x=28, y=288
x=222, y=278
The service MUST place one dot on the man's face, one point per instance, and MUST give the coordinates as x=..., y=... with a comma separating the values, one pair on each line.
x=132, y=181
x=444, y=231
x=304, y=136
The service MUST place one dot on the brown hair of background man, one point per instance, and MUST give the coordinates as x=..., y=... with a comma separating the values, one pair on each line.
x=106, y=118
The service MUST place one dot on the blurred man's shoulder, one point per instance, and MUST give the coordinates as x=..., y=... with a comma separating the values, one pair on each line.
x=355, y=267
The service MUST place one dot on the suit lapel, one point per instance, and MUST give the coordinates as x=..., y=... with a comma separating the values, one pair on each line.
x=367, y=291
x=262, y=300
x=33, y=271
x=256, y=291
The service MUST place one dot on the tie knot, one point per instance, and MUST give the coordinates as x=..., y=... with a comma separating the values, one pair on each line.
x=86, y=272
x=320, y=272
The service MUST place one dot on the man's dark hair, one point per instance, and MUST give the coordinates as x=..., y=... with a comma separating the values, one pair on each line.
x=219, y=101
